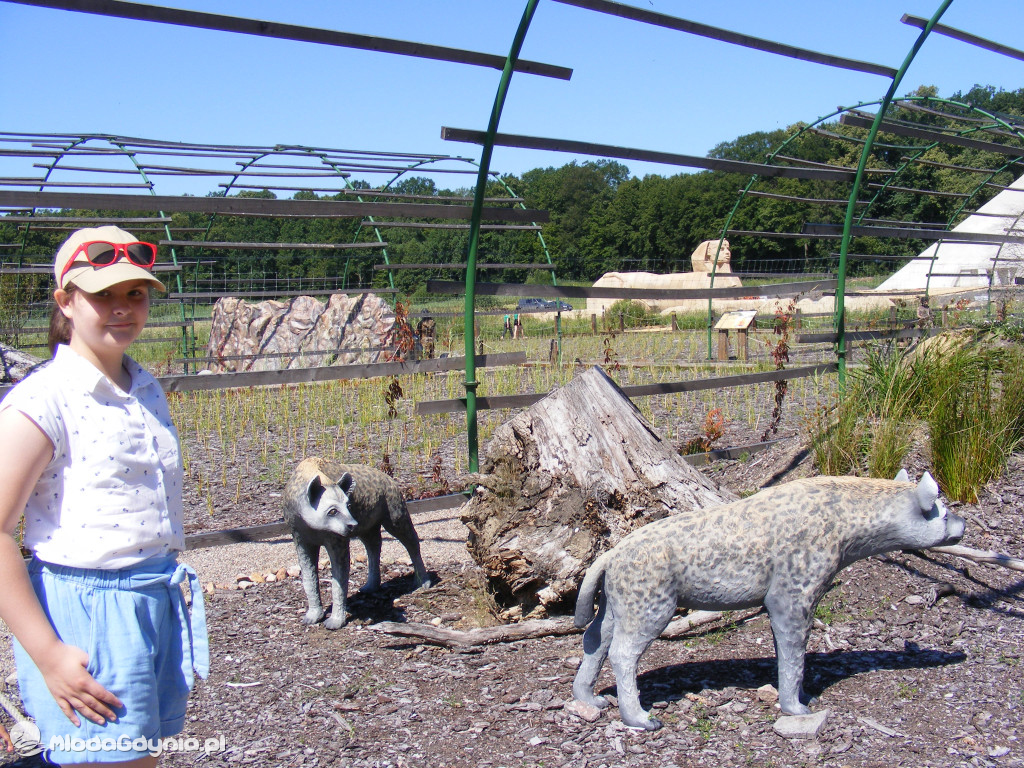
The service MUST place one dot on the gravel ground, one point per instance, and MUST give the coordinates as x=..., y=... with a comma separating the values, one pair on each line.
x=916, y=659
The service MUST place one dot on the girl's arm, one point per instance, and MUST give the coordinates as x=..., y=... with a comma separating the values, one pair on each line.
x=24, y=452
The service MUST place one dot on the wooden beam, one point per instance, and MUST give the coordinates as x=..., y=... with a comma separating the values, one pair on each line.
x=434, y=225
x=626, y=153
x=98, y=220
x=931, y=192
x=579, y=292
x=964, y=37
x=273, y=294
x=387, y=267
x=256, y=206
x=715, y=33
x=25, y=181
x=44, y=269
x=858, y=121
x=270, y=246
x=261, y=28
x=642, y=390
x=794, y=199
x=777, y=235
x=435, y=198
x=329, y=373
x=909, y=233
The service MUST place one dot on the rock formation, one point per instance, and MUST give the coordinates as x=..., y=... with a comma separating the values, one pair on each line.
x=300, y=333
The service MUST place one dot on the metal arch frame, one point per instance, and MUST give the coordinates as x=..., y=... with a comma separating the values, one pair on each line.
x=486, y=153
x=996, y=121
x=493, y=176
x=743, y=193
x=489, y=140
x=839, y=319
x=54, y=165
x=890, y=177
x=256, y=157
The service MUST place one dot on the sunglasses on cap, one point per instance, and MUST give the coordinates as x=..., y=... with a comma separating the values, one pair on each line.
x=100, y=253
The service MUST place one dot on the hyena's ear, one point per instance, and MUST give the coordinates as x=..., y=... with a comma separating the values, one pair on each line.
x=347, y=483
x=927, y=491
x=314, y=490
x=902, y=476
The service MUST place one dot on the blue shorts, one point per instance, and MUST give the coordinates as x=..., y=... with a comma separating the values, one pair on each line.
x=142, y=647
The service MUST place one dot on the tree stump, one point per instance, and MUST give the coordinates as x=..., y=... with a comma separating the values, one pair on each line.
x=566, y=479
x=16, y=365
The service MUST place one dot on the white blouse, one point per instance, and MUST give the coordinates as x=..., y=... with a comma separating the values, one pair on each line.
x=111, y=495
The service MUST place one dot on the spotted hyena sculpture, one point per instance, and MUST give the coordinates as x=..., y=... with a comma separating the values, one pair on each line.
x=326, y=504
x=779, y=548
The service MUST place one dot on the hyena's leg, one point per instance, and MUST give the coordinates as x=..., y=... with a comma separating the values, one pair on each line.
x=309, y=557
x=371, y=540
x=400, y=526
x=596, y=640
x=633, y=636
x=791, y=625
x=337, y=548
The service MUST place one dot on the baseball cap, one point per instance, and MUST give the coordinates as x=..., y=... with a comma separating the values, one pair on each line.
x=94, y=279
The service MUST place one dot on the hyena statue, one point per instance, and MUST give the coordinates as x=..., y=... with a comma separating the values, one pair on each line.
x=326, y=504
x=779, y=548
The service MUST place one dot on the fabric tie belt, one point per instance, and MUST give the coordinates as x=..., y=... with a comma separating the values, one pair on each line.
x=149, y=575
x=193, y=625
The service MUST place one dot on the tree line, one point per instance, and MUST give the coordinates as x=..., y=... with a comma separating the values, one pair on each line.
x=603, y=219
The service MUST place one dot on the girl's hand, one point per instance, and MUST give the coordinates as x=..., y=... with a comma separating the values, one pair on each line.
x=6, y=738
x=73, y=688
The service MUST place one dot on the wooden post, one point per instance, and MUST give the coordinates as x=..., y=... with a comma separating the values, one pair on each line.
x=593, y=324
x=945, y=315
x=741, y=344
x=675, y=324
x=892, y=316
x=553, y=352
x=622, y=322
x=798, y=319
x=723, y=345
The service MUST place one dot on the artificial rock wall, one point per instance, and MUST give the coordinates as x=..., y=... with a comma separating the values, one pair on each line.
x=300, y=333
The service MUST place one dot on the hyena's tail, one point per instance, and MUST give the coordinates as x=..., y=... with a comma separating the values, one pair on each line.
x=585, y=599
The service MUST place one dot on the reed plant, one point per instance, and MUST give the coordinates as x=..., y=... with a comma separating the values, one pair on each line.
x=967, y=396
x=977, y=422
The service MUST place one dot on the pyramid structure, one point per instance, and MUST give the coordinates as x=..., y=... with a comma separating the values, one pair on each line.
x=967, y=265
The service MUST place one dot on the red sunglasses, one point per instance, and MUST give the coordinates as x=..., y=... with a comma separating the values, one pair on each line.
x=100, y=253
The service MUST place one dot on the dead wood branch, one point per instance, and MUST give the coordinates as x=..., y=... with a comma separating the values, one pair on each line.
x=527, y=630
x=980, y=556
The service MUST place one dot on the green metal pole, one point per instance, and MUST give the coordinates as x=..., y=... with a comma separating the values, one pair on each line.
x=840, y=310
x=471, y=383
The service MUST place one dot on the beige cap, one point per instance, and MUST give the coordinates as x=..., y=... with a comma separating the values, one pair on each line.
x=94, y=279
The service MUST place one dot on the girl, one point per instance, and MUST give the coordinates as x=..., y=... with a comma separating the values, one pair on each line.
x=104, y=646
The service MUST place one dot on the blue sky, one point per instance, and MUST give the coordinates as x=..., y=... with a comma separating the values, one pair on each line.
x=633, y=85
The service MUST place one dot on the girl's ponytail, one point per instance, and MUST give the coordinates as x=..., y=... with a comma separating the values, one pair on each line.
x=60, y=326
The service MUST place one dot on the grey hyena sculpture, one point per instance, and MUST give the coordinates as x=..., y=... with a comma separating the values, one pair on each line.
x=779, y=548
x=326, y=504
